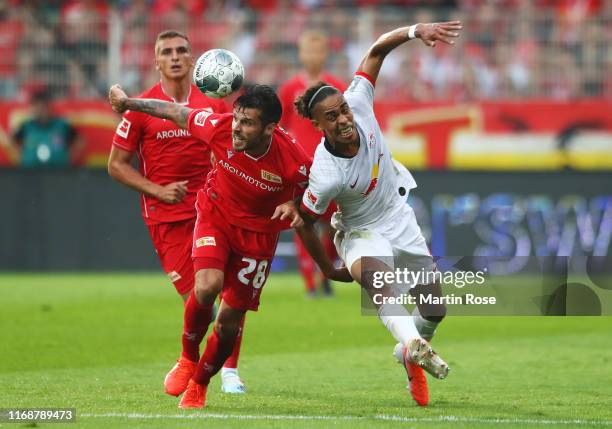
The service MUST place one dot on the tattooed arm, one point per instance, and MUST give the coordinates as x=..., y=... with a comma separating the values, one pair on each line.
x=120, y=102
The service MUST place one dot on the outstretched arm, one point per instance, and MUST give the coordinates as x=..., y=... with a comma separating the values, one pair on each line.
x=428, y=33
x=120, y=102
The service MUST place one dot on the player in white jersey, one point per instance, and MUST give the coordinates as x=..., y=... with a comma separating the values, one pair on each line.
x=377, y=231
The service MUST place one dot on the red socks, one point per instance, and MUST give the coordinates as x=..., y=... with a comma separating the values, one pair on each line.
x=196, y=321
x=232, y=361
x=216, y=352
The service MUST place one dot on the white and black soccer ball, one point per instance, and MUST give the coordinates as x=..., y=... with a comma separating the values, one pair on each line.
x=218, y=73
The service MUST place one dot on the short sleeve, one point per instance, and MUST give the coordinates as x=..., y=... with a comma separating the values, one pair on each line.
x=201, y=124
x=323, y=186
x=361, y=90
x=129, y=132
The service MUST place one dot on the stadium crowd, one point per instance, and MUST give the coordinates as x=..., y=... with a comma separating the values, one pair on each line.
x=511, y=49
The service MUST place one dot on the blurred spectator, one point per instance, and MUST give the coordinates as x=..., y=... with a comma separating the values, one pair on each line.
x=85, y=35
x=508, y=50
x=521, y=59
x=44, y=139
x=563, y=77
x=41, y=61
x=10, y=29
x=136, y=47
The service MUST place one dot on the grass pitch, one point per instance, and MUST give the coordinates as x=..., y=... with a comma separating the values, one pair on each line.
x=102, y=344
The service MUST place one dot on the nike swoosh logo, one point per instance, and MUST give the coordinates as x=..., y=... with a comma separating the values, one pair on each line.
x=354, y=184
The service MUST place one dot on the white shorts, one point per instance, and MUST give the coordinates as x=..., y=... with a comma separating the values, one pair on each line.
x=397, y=244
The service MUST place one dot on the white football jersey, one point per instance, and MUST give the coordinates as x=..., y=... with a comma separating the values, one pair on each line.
x=365, y=187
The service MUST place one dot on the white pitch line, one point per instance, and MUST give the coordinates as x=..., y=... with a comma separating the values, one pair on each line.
x=439, y=419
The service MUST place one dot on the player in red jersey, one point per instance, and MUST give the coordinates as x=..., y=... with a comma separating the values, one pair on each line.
x=173, y=166
x=246, y=202
x=312, y=52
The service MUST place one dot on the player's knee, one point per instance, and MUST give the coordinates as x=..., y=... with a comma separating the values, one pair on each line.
x=208, y=285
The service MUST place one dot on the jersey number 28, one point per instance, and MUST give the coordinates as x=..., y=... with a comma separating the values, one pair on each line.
x=260, y=272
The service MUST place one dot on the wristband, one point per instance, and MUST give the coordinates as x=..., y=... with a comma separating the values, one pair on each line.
x=412, y=31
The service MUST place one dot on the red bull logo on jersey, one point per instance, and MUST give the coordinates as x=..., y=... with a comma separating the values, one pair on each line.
x=374, y=179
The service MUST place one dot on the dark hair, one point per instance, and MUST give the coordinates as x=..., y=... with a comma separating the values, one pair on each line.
x=170, y=34
x=264, y=98
x=305, y=102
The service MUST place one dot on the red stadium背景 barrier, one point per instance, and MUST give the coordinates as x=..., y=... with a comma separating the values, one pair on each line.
x=434, y=124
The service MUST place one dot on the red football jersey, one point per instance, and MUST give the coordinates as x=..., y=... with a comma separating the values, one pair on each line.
x=245, y=189
x=167, y=154
x=302, y=129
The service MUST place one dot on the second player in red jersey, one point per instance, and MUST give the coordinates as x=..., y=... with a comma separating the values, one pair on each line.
x=257, y=167
x=312, y=55
x=172, y=167
x=312, y=52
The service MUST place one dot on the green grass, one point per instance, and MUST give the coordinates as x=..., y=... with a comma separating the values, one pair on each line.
x=102, y=343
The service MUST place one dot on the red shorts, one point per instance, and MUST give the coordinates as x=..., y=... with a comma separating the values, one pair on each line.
x=244, y=256
x=172, y=243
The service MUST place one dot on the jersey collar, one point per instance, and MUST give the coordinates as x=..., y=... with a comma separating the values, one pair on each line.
x=172, y=98
x=263, y=154
x=337, y=154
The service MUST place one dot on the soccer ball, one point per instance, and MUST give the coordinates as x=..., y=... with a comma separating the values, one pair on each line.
x=218, y=73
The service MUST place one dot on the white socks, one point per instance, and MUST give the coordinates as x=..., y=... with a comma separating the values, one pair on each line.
x=229, y=372
x=402, y=327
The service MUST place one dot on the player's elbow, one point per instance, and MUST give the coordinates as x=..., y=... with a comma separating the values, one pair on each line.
x=109, y=168
x=375, y=53
x=380, y=48
x=114, y=168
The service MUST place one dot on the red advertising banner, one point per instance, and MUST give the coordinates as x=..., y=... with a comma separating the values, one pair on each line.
x=499, y=134
x=487, y=135
x=94, y=121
